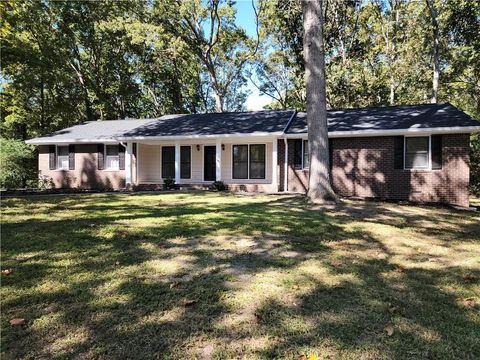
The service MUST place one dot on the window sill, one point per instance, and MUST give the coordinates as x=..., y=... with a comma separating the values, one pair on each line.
x=111, y=170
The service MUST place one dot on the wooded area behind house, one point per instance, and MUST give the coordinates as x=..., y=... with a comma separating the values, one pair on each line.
x=64, y=62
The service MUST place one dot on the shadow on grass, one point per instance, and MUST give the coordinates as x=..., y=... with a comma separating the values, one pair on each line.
x=99, y=283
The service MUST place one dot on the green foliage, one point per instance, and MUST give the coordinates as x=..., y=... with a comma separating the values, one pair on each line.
x=475, y=164
x=219, y=186
x=168, y=184
x=17, y=164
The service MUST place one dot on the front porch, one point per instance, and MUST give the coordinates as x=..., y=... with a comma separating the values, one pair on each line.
x=248, y=164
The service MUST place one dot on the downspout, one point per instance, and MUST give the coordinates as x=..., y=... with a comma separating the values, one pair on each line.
x=285, y=142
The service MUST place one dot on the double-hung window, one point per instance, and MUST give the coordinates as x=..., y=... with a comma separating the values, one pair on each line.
x=62, y=157
x=301, y=155
x=112, y=158
x=417, y=152
x=248, y=161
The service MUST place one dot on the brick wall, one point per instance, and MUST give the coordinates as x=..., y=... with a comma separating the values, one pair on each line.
x=85, y=175
x=363, y=167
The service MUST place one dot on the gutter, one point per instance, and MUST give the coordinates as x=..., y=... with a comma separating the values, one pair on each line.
x=412, y=131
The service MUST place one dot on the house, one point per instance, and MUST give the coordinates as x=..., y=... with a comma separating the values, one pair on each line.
x=417, y=153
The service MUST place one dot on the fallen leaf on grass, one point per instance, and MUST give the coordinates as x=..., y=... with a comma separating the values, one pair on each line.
x=399, y=270
x=174, y=285
x=189, y=302
x=296, y=287
x=469, y=302
x=17, y=321
x=392, y=308
x=388, y=329
x=7, y=271
x=470, y=278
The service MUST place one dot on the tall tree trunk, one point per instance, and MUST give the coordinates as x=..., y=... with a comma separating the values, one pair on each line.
x=436, y=51
x=219, y=101
x=319, y=190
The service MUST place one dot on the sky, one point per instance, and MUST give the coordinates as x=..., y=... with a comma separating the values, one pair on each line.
x=246, y=19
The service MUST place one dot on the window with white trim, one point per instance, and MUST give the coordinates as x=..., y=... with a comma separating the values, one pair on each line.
x=112, y=159
x=62, y=157
x=417, y=152
x=306, y=155
x=248, y=161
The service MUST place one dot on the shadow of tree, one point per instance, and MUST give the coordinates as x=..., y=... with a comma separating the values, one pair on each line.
x=266, y=276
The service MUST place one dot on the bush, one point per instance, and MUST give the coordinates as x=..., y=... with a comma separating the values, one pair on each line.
x=168, y=184
x=18, y=166
x=219, y=186
x=475, y=164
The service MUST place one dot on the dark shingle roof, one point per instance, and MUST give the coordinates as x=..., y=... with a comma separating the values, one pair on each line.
x=93, y=130
x=267, y=121
x=264, y=122
x=389, y=118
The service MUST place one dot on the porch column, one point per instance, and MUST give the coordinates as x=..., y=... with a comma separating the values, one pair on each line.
x=218, y=162
x=177, y=163
x=128, y=164
x=274, y=164
x=285, y=173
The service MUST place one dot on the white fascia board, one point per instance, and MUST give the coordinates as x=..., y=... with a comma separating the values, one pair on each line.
x=199, y=137
x=70, y=141
x=411, y=131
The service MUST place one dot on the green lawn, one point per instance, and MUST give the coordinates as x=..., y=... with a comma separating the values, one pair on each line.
x=199, y=275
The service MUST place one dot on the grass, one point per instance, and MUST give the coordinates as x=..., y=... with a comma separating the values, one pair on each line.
x=208, y=275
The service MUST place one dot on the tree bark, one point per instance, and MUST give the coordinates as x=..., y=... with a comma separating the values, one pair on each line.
x=320, y=190
x=436, y=51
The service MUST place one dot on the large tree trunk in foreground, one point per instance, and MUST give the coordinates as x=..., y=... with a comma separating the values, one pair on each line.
x=319, y=189
x=436, y=50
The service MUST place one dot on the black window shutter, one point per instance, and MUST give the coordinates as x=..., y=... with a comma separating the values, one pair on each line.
x=398, y=152
x=297, y=154
x=71, y=157
x=121, y=157
x=100, y=156
x=436, y=151
x=134, y=149
x=52, y=157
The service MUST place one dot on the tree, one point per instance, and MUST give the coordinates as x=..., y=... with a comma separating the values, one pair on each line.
x=436, y=48
x=223, y=48
x=320, y=189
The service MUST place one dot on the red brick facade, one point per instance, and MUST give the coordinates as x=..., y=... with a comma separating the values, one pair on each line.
x=364, y=167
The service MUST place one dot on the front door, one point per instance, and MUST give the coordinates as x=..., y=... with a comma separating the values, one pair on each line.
x=209, y=166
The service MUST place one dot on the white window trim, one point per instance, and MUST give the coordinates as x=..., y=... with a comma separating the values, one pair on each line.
x=248, y=161
x=429, y=167
x=57, y=157
x=106, y=159
x=189, y=178
x=303, y=155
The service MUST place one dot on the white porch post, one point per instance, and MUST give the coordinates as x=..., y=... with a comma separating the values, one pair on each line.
x=285, y=173
x=128, y=164
x=274, y=164
x=218, y=162
x=177, y=163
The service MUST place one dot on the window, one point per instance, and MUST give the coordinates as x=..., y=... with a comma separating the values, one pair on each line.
x=240, y=162
x=301, y=156
x=306, y=155
x=112, y=160
x=62, y=157
x=168, y=162
x=417, y=152
x=257, y=161
x=185, y=162
x=249, y=161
